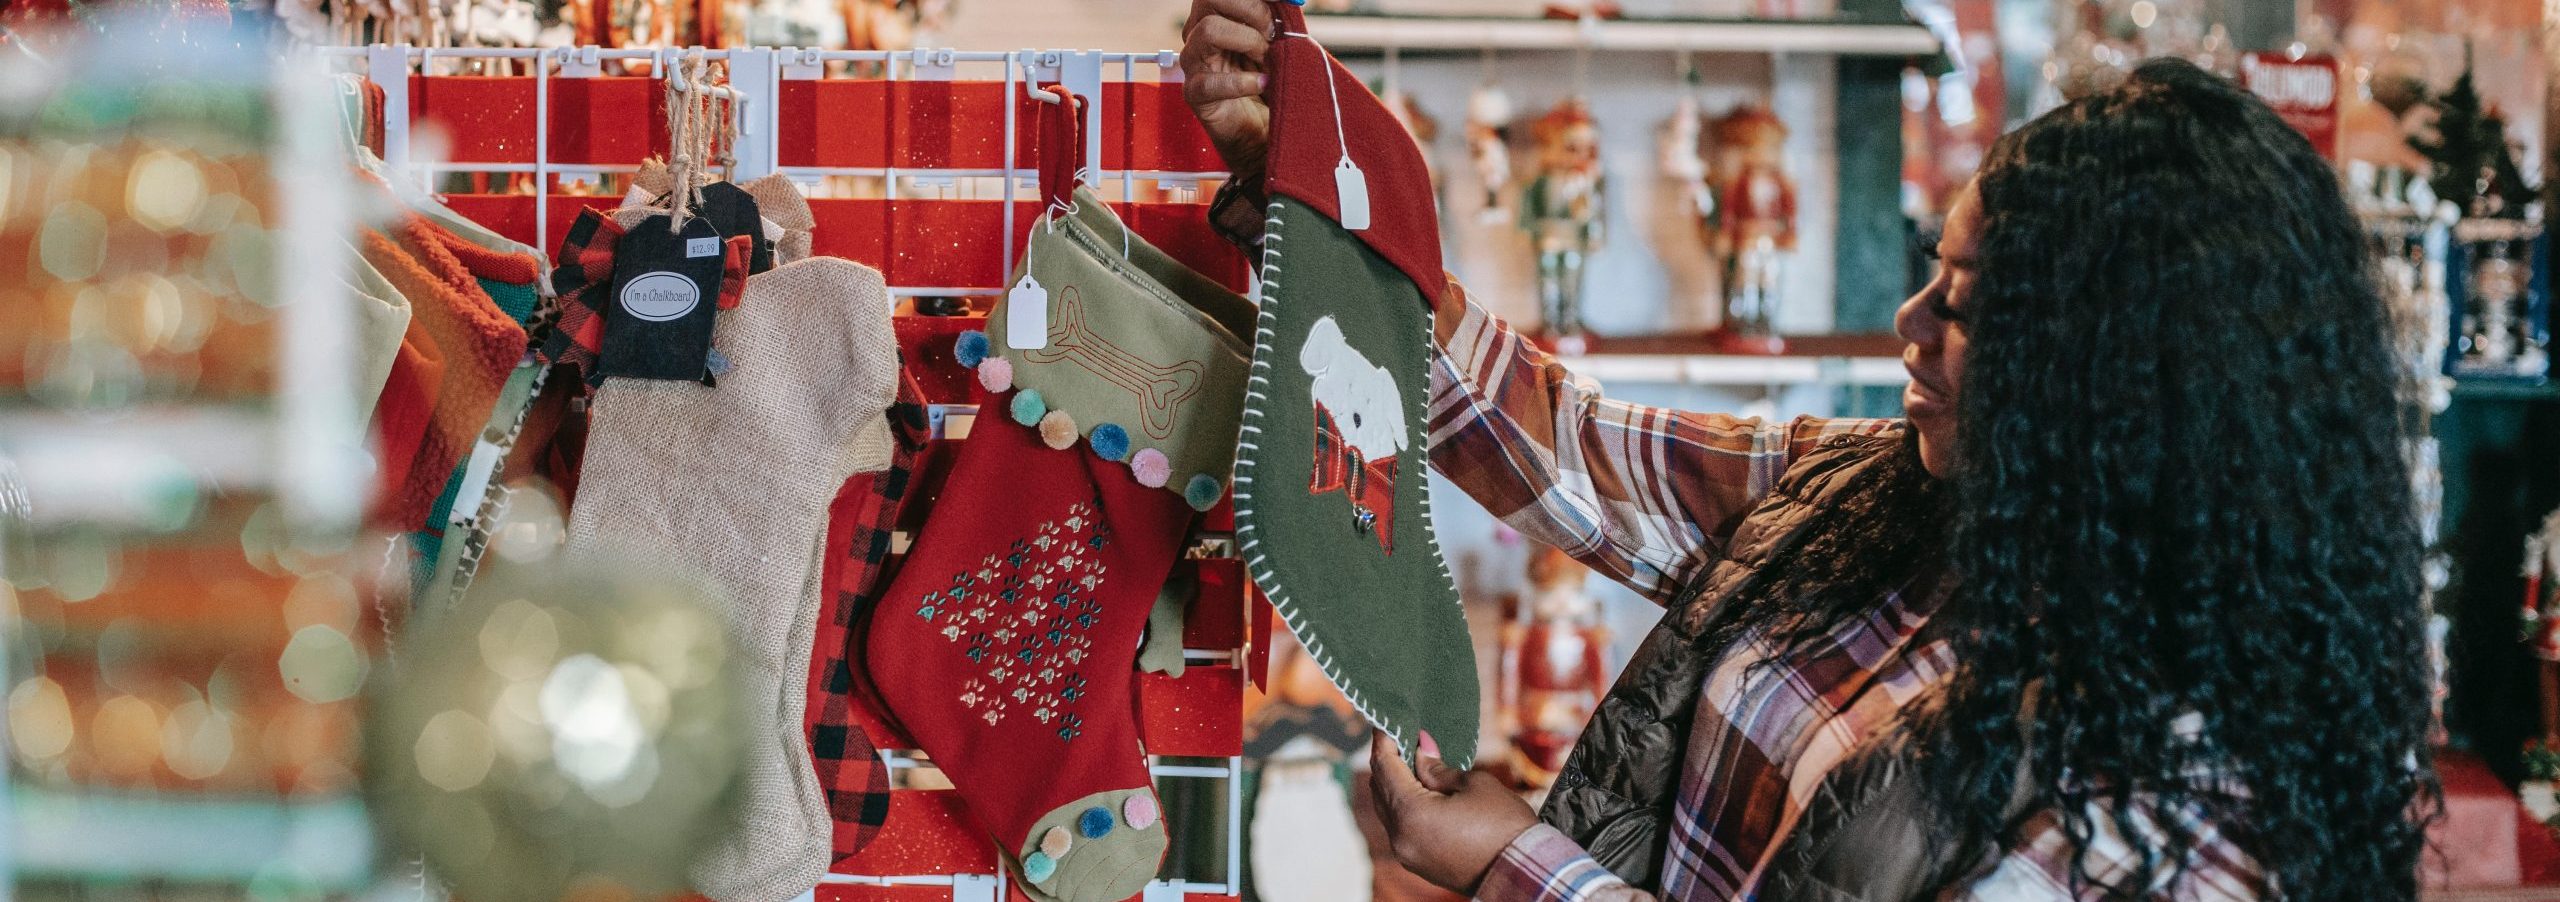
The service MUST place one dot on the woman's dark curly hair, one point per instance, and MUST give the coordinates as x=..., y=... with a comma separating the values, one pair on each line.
x=2181, y=490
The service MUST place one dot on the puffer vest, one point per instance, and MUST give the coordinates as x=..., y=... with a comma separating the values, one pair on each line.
x=1866, y=833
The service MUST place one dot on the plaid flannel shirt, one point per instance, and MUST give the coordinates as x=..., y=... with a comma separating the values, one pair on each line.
x=1648, y=496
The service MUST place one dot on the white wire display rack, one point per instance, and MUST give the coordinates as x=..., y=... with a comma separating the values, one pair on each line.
x=758, y=76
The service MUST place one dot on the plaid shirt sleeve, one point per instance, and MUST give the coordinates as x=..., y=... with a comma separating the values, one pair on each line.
x=1544, y=865
x=1644, y=495
x=2041, y=866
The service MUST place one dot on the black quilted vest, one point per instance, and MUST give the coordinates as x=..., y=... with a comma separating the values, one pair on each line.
x=1865, y=836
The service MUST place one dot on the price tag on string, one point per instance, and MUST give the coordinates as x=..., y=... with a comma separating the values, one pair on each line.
x=1351, y=189
x=1026, y=313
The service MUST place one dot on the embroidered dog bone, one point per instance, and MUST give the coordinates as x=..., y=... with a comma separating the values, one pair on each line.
x=1161, y=389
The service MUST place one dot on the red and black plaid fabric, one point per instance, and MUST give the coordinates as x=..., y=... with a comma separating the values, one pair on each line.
x=1370, y=485
x=860, y=524
x=582, y=277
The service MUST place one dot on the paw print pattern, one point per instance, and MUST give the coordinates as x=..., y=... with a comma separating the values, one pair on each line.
x=1023, y=617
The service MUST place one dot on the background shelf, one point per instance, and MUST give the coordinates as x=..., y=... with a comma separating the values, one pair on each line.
x=1356, y=32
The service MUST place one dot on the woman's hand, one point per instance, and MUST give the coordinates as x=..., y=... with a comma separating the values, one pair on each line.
x=1445, y=825
x=1222, y=77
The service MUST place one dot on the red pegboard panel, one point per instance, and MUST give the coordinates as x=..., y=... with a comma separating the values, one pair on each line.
x=1199, y=714
x=932, y=834
x=615, y=121
x=948, y=243
x=1149, y=126
x=840, y=123
x=608, y=121
x=857, y=230
x=956, y=124
x=482, y=119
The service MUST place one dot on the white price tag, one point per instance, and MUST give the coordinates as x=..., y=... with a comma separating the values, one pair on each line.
x=701, y=247
x=1026, y=315
x=1352, y=189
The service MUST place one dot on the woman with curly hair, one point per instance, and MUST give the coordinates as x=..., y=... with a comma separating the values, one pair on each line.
x=2125, y=607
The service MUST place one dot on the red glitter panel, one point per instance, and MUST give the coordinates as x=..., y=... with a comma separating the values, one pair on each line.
x=836, y=123
x=952, y=124
x=927, y=832
x=483, y=119
x=1154, y=129
x=615, y=121
x=857, y=230
x=1195, y=715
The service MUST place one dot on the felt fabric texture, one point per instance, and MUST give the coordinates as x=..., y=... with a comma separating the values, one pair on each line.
x=459, y=541
x=1305, y=148
x=480, y=346
x=1333, y=514
x=860, y=524
x=1139, y=342
x=1006, y=647
x=403, y=412
x=381, y=323
x=511, y=282
x=734, y=482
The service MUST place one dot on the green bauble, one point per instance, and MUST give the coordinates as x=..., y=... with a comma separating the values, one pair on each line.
x=561, y=732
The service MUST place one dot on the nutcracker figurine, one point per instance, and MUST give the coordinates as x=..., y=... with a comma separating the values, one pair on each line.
x=1753, y=229
x=1683, y=206
x=1554, y=667
x=1489, y=148
x=1563, y=210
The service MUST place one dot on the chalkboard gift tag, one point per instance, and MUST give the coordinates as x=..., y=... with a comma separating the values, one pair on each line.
x=666, y=287
x=734, y=212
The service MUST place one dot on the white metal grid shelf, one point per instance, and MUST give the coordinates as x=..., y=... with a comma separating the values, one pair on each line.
x=758, y=74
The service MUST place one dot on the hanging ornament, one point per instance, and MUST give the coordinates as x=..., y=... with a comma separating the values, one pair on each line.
x=562, y=732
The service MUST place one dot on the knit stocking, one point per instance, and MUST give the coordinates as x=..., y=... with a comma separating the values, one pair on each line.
x=1007, y=645
x=735, y=481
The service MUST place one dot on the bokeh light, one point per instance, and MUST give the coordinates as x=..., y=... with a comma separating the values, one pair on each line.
x=40, y=724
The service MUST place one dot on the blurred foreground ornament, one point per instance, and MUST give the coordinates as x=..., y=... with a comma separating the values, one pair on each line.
x=562, y=732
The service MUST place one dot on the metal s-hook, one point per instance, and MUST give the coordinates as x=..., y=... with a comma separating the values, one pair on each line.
x=1031, y=86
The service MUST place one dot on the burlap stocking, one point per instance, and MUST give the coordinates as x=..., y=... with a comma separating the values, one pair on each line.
x=735, y=482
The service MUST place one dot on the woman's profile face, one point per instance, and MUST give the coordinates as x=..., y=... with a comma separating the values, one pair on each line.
x=1933, y=322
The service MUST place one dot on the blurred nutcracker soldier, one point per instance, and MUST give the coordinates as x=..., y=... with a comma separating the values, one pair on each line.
x=1680, y=212
x=1754, y=228
x=1489, y=148
x=1554, y=667
x=1563, y=210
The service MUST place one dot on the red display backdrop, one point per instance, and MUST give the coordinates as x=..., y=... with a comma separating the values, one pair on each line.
x=940, y=246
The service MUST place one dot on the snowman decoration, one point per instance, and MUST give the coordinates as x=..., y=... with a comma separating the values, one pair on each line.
x=1359, y=429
